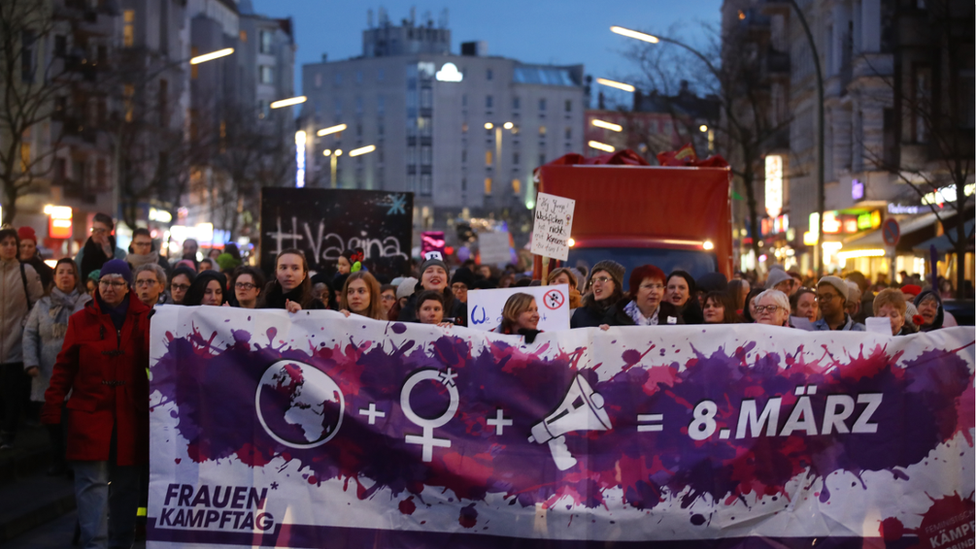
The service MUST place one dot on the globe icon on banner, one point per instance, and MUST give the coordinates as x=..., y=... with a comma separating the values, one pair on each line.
x=299, y=405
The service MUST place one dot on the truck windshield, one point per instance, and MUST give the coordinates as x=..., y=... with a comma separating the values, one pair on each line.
x=695, y=262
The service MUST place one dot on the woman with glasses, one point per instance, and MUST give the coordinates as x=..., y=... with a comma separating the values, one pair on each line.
x=772, y=308
x=248, y=283
x=150, y=283
x=179, y=283
x=103, y=366
x=646, y=306
x=604, y=290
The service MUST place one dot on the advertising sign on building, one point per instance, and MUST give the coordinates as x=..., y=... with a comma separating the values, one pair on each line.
x=774, y=184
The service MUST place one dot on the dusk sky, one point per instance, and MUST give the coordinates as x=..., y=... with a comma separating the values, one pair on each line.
x=558, y=32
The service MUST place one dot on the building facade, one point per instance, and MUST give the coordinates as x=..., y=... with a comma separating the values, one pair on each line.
x=461, y=131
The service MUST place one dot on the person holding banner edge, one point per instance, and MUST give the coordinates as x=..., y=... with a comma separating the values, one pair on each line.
x=291, y=288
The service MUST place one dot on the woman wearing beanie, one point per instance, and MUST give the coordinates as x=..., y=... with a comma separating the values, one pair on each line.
x=929, y=306
x=291, y=287
x=434, y=276
x=679, y=292
x=646, y=306
x=30, y=256
x=103, y=367
x=603, y=291
x=43, y=337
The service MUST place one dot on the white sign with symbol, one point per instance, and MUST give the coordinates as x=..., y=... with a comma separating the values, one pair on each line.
x=553, y=224
x=485, y=306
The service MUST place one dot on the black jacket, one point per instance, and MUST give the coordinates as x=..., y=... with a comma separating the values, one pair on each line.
x=454, y=310
x=274, y=298
x=616, y=316
x=593, y=313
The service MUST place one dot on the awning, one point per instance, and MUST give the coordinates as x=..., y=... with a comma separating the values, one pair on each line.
x=942, y=244
x=874, y=239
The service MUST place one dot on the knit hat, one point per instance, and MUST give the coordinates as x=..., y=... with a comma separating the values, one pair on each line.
x=95, y=275
x=837, y=282
x=227, y=262
x=117, y=267
x=433, y=262
x=615, y=269
x=406, y=287
x=779, y=275
x=27, y=233
x=712, y=282
x=913, y=289
x=464, y=276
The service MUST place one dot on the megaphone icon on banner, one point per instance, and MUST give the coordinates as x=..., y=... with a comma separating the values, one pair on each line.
x=580, y=410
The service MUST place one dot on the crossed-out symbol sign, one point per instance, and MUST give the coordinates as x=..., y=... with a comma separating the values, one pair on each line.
x=554, y=299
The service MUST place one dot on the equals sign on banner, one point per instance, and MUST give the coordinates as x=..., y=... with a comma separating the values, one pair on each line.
x=649, y=422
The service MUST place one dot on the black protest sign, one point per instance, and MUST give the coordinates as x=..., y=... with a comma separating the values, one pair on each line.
x=325, y=222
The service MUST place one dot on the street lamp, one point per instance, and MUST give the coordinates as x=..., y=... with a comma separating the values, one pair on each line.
x=330, y=130
x=615, y=84
x=333, y=160
x=211, y=56
x=820, y=108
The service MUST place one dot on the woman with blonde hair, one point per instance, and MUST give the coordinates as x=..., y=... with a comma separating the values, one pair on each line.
x=520, y=316
x=361, y=295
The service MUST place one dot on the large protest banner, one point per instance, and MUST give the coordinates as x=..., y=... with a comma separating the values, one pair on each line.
x=313, y=430
x=323, y=223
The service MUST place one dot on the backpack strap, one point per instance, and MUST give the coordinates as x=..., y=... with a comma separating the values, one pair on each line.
x=23, y=278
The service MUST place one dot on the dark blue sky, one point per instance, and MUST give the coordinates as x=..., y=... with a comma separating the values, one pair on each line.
x=559, y=32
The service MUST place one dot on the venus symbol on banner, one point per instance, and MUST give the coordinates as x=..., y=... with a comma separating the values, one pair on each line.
x=427, y=440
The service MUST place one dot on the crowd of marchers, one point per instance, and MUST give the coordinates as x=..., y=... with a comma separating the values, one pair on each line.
x=74, y=352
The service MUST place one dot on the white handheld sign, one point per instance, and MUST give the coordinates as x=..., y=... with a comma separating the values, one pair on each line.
x=485, y=306
x=553, y=224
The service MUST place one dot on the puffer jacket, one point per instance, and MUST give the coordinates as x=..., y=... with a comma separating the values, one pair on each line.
x=14, y=307
x=41, y=342
x=105, y=370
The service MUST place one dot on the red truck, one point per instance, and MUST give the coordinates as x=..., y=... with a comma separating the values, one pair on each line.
x=671, y=217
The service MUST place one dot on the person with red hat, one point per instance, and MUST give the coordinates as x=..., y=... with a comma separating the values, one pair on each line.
x=30, y=255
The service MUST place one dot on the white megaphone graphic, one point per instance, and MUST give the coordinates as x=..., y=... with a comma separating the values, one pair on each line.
x=580, y=410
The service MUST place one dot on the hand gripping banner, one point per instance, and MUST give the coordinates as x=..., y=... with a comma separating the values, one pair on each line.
x=314, y=430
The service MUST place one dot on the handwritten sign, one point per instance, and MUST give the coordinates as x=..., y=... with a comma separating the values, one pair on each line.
x=485, y=306
x=553, y=223
x=323, y=223
x=494, y=248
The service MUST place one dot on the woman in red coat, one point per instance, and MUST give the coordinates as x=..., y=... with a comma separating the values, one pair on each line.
x=103, y=364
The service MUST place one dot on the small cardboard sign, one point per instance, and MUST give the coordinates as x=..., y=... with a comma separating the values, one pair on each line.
x=494, y=248
x=553, y=225
x=485, y=306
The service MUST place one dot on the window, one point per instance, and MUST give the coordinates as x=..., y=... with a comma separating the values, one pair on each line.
x=569, y=132
x=243, y=36
x=426, y=98
x=28, y=39
x=359, y=105
x=380, y=75
x=359, y=130
x=489, y=74
x=488, y=186
x=516, y=104
x=318, y=80
x=194, y=69
x=516, y=186
x=411, y=156
x=426, y=158
x=412, y=183
x=426, y=185
x=923, y=90
x=381, y=105
x=128, y=91
x=542, y=159
x=489, y=102
x=542, y=105
x=464, y=100
x=264, y=110
x=338, y=107
x=464, y=184
x=25, y=154
x=129, y=28
x=464, y=128
x=266, y=74
x=424, y=125
x=515, y=158
x=464, y=155
x=542, y=131
x=163, y=107
x=380, y=127
x=569, y=105
x=267, y=42
x=337, y=78
x=489, y=158
x=359, y=77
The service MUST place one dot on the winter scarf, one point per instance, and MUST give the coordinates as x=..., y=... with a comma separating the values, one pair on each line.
x=138, y=260
x=94, y=256
x=62, y=305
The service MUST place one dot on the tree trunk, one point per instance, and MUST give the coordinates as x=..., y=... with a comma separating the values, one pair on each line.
x=961, y=242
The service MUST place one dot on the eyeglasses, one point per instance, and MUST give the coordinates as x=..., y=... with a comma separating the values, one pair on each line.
x=180, y=287
x=388, y=298
x=98, y=230
x=244, y=286
x=767, y=308
x=601, y=279
x=146, y=282
x=109, y=284
x=652, y=286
